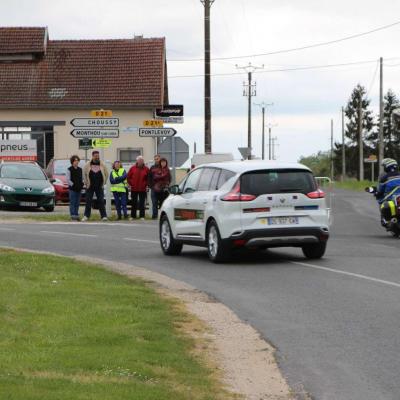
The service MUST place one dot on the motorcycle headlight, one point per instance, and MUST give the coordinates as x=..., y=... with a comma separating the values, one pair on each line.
x=48, y=190
x=6, y=188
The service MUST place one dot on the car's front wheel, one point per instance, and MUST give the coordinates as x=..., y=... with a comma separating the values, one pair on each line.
x=314, y=251
x=218, y=251
x=167, y=241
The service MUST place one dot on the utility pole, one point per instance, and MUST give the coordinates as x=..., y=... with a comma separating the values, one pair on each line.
x=270, y=140
x=249, y=91
x=381, y=140
x=263, y=105
x=274, y=144
x=332, y=150
x=207, y=76
x=343, y=149
x=360, y=141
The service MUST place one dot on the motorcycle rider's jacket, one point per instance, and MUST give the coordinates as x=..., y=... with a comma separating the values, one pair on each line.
x=389, y=186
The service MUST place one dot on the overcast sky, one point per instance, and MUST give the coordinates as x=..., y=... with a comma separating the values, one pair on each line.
x=304, y=101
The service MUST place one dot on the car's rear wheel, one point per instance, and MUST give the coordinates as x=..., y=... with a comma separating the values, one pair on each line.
x=167, y=241
x=218, y=251
x=314, y=251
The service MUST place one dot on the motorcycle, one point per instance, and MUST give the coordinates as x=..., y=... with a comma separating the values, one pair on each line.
x=390, y=212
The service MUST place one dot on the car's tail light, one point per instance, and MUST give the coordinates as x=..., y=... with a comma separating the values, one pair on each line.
x=318, y=194
x=235, y=195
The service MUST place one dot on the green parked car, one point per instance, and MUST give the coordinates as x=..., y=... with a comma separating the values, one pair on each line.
x=25, y=184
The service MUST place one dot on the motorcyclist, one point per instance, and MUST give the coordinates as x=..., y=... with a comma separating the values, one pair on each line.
x=388, y=189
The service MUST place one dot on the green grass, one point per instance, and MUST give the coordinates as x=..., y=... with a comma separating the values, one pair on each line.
x=353, y=185
x=73, y=331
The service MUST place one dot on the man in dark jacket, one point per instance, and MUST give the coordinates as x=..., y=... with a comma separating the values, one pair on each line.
x=75, y=185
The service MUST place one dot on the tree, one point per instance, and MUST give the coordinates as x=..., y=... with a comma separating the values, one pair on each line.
x=391, y=126
x=320, y=163
x=357, y=111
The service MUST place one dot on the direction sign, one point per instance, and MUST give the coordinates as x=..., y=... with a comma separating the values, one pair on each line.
x=95, y=122
x=157, y=132
x=101, y=113
x=153, y=123
x=85, y=144
x=95, y=133
x=104, y=143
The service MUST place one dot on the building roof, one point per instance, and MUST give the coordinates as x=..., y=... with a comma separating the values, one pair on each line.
x=22, y=40
x=123, y=73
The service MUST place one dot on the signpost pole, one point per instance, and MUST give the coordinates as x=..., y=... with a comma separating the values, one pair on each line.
x=173, y=159
x=372, y=172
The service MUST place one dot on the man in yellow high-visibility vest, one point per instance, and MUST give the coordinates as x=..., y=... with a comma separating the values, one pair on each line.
x=118, y=188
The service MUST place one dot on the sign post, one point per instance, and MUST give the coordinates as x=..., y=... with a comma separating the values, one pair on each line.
x=372, y=159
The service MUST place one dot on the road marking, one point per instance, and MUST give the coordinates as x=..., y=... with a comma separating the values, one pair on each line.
x=7, y=229
x=338, y=271
x=141, y=240
x=68, y=233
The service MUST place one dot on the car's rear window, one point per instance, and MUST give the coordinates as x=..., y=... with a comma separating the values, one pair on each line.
x=61, y=166
x=277, y=181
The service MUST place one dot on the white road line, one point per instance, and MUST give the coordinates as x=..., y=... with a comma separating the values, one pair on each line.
x=7, y=229
x=141, y=240
x=338, y=271
x=68, y=233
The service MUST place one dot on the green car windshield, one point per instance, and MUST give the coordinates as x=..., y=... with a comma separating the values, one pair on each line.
x=22, y=171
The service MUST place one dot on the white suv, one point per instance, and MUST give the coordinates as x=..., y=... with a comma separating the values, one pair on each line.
x=254, y=204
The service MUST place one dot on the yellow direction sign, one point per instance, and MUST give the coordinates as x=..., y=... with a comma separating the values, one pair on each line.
x=154, y=123
x=101, y=113
x=105, y=143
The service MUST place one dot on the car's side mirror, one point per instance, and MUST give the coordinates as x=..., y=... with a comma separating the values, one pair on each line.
x=174, y=189
x=52, y=180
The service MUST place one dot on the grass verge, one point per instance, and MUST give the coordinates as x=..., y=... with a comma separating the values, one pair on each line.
x=70, y=330
x=358, y=186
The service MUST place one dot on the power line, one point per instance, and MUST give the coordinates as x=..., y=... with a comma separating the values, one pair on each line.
x=311, y=46
x=309, y=67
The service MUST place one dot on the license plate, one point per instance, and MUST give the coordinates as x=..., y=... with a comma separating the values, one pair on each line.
x=27, y=204
x=283, y=220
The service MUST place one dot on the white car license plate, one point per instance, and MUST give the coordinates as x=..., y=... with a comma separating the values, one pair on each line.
x=27, y=204
x=283, y=220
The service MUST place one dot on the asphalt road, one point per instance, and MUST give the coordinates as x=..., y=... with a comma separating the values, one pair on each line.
x=335, y=322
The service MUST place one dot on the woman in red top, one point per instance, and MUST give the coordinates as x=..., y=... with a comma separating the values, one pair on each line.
x=137, y=180
x=161, y=178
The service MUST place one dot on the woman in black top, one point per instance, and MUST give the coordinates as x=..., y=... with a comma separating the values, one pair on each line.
x=75, y=184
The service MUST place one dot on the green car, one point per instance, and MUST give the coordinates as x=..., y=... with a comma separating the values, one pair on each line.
x=25, y=185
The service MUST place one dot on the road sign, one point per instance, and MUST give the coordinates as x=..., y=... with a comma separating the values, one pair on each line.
x=157, y=132
x=130, y=129
x=101, y=113
x=172, y=120
x=172, y=110
x=165, y=149
x=245, y=152
x=95, y=122
x=85, y=144
x=153, y=123
x=370, y=159
x=95, y=133
x=104, y=143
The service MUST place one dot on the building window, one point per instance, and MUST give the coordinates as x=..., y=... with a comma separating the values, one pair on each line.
x=128, y=156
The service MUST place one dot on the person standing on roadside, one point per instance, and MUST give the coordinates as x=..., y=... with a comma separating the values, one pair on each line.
x=161, y=181
x=118, y=188
x=138, y=176
x=75, y=186
x=95, y=176
x=154, y=201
